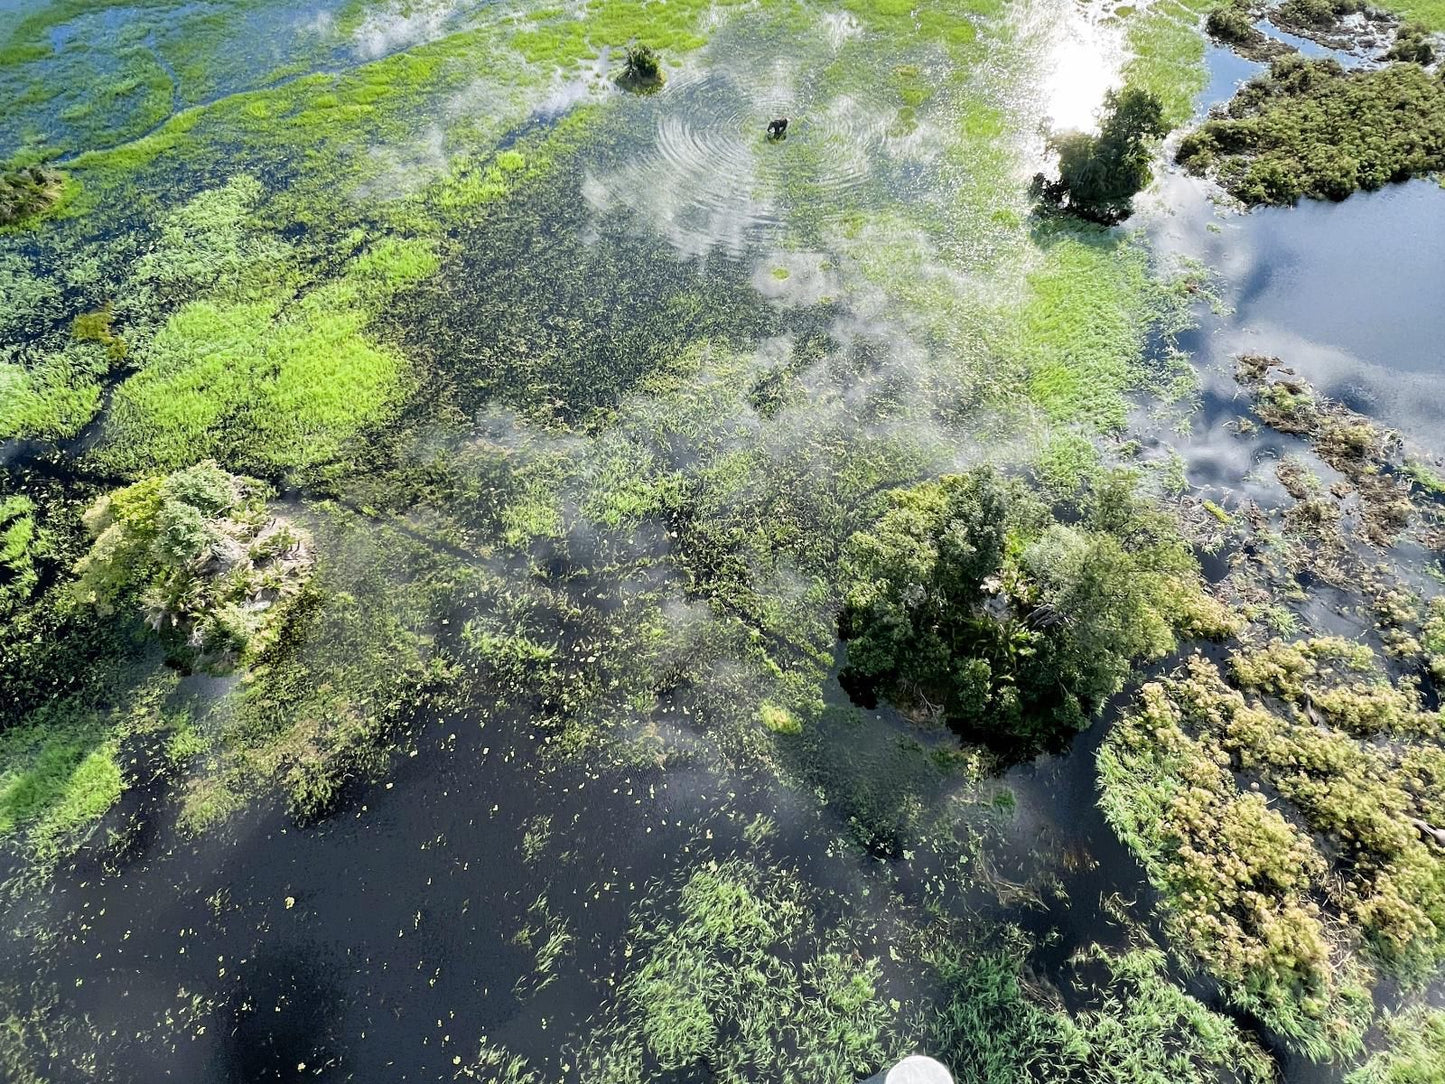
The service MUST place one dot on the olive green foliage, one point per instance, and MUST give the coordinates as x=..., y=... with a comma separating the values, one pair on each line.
x=27, y=192
x=1314, y=14
x=199, y=554
x=1231, y=22
x=1415, y=1054
x=1311, y=128
x=1243, y=883
x=643, y=66
x=732, y=975
x=1099, y=175
x=968, y=600
x=1412, y=44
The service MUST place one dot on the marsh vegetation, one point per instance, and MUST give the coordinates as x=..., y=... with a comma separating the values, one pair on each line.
x=1313, y=129
x=506, y=579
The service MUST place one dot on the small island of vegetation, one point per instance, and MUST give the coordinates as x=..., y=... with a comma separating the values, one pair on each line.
x=1099, y=175
x=970, y=602
x=28, y=191
x=1310, y=128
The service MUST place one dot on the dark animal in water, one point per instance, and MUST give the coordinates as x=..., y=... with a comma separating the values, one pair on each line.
x=777, y=129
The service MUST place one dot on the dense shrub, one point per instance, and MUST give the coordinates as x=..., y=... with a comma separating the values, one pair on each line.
x=643, y=67
x=200, y=555
x=1314, y=14
x=1231, y=22
x=1311, y=128
x=28, y=191
x=1412, y=45
x=968, y=600
x=1100, y=174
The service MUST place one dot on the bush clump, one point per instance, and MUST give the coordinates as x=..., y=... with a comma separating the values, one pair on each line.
x=643, y=66
x=1232, y=22
x=1284, y=900
x=1412, y=44
x=1099, y=175
x=202, y=558
x=28, y=191
x=1314, y=15
x=969, y=601
x=1311, y=128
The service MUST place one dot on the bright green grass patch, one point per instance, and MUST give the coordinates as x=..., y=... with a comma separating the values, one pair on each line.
x=1084, y=325
x=1429, y=12
x=60, y=769
x=264, y=385
x=1167, y=41
x=53, y=398
x=1416, y=1051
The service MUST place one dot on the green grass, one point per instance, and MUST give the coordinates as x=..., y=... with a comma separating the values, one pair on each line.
x=1083, y=326
x=262, y=387
x=1167, y=43
x=1415, y=1053
x=729, y=970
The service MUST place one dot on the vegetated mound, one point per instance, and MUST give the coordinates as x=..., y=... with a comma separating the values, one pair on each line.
x=1288, y=809
x=1311, y=128
x=28, y=191
x=1099, y=175
x=203, y=559
x=969, y=601
x=1233, y=24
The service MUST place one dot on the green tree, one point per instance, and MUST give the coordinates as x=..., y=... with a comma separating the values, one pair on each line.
x=968, y=600
x=1100, y=174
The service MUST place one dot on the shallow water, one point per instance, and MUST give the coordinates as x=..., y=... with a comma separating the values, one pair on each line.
x=383, y=942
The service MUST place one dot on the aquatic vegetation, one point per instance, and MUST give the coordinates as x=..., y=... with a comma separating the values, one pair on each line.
x=23, y=545
x=1099, y=175
x=1235, y=874
x=1310, y=128
x=29, y=191
x=733, y=972
x=202, y=557
x=1370, y=458
x=1252, y=892
x=966, y=601
x=52, y=397
x=643, y=66
x=1134, y=1025
x=260, y=384
x=1167, y=53
x=1416, y=1050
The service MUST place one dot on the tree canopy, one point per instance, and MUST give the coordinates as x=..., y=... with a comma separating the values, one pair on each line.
x=969, y=600
x=1099, y=175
